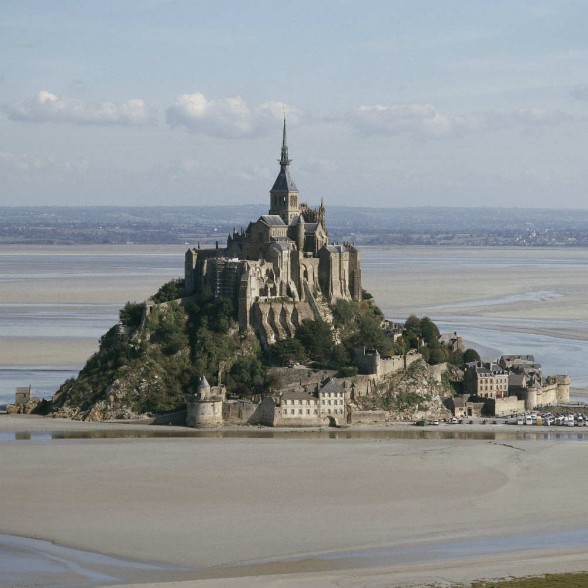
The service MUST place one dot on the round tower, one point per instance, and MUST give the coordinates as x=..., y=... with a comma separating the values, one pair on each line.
x=204, y=409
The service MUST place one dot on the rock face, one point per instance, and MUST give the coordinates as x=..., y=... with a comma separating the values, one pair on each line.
x=32, y=406
x=408, y=395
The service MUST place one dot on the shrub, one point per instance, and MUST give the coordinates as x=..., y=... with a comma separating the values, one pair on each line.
x=171, y=290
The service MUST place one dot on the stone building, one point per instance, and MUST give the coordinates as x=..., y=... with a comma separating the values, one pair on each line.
x=205, y=407
x=312, y=405
x=23, y=395
x=284, y=258
x=485, y=380
x=513, y=384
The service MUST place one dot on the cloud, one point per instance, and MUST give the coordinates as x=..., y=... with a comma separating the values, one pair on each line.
x=420, y=119
x=47, y=107
x=226, y=117
x=425, y=120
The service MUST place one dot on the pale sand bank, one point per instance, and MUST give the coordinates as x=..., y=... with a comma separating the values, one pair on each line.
x=25, y=351
x=202, y=503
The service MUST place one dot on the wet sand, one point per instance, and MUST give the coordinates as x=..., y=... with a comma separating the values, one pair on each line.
x=273, y=506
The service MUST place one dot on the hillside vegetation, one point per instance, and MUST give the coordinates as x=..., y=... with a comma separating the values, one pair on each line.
x=149, y=362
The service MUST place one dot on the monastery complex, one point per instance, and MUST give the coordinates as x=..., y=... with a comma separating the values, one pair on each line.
x=276, y=270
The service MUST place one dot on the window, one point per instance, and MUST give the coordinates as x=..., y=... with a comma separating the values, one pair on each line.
x=299, y=411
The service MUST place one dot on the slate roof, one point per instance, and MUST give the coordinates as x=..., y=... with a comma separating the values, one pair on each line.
x=272, y=220
x=298, y=394
x=332, y=386
x=282, y=244
x=284, y=183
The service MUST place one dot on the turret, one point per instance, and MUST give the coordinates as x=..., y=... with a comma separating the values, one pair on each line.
x=203, y=389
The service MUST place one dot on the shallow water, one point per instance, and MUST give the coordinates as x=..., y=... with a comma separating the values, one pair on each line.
x=29, y=563
x=461, y=432
x=32, y=563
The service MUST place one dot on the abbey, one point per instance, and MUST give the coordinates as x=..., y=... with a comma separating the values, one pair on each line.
x=278, y=270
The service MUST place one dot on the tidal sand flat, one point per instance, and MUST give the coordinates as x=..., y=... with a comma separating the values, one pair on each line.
x=302, y=512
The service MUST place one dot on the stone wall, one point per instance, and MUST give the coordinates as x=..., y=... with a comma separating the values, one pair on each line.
x=508, y=405
x=239, y=412
x=371, y=362
x=367, y=417
x=557, y=391
x=300, y=376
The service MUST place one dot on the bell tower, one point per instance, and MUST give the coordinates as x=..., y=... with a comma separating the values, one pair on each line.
x=284, y=193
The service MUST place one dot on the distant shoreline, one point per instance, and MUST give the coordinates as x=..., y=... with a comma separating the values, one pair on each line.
x=413, y=226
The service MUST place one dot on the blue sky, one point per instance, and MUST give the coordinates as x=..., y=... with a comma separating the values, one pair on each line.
x=389, y=103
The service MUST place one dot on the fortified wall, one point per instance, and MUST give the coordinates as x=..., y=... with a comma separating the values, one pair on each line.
x=556, y=391
x=371, y=362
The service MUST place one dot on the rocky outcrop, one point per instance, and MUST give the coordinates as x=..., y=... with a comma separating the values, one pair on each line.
x=407, y=395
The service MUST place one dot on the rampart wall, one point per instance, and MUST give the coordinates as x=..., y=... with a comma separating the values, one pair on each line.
x=370, y=362
x=367, y=417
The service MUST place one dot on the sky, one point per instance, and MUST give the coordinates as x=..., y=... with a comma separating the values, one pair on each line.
x=389, y=103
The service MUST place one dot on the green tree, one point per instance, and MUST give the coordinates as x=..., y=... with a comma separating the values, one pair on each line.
x=470, y=355
x=171, y=290
x=286, y=351
x=316, y=337
x=131, y=314
x=437, y=354
x=247, y=376
x=344, y=312
x=456, y=357
x=429, y=331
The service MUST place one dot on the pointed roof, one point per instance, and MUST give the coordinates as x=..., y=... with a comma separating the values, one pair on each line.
x=202, y=383
x=284, y=182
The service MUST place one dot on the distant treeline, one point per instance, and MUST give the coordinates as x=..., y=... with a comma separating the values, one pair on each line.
x=367, y=226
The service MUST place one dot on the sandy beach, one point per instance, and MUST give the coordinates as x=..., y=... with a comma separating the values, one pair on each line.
x=300, y=512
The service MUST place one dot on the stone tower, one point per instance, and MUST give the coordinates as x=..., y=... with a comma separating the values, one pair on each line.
x=284, y=193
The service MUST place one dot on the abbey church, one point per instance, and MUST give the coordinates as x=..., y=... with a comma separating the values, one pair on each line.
x=281, y=268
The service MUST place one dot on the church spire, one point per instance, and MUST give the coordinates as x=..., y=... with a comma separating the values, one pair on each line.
x=284, y=193
x=284, y=158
